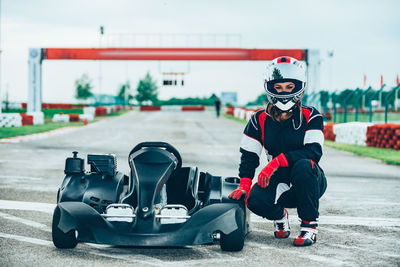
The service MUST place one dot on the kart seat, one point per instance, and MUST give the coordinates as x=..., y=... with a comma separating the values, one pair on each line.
x=183, y=188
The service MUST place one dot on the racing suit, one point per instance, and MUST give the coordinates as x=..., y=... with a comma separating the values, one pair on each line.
x=300, y=138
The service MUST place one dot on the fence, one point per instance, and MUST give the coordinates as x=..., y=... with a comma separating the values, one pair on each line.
x=364, y=105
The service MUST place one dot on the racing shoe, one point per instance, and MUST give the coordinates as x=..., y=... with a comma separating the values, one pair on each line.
x=308, y=234
x=282, y=228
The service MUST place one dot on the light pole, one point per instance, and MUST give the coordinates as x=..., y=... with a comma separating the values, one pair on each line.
x=330, y=55
x=100, y=76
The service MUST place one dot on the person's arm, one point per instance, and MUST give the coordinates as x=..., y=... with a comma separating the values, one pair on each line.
x=313, y=141
x=251, y=147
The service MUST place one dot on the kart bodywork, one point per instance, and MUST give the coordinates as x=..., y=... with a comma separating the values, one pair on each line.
x=160, y=203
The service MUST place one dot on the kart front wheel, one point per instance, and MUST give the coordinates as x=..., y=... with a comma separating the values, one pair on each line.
x=61, y=239
x=235, y=240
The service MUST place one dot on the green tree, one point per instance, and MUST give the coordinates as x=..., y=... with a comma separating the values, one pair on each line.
x=125, y=88
x=147, y=90
x=260, y=100
x=83, y=86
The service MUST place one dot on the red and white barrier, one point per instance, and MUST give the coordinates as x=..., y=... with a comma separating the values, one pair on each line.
x=10, y=120
x=20, y=119
x=365, y=134
x=353, y=133
x=241, y=113
x=72, y=117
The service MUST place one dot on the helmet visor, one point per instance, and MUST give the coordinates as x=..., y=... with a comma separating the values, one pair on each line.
x=270, y=88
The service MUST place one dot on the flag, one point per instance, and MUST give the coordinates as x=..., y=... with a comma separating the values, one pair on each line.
x=381, y=81
x=397, y=80
x=365, y=80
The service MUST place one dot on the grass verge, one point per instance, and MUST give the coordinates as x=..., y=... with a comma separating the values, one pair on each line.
x=118, y=113
x=233, y=118
x=32, y=129
x=386, y=155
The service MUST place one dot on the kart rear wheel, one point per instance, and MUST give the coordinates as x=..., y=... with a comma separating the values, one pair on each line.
x=235, y=240
x=61, y=239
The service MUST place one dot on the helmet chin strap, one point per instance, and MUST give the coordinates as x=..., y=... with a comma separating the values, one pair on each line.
x=276, y=112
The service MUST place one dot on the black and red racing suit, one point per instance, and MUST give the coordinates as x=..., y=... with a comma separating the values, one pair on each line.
x=300, y=138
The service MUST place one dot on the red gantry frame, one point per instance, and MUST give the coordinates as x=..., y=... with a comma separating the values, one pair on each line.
x=170, y=53
x=37, y=55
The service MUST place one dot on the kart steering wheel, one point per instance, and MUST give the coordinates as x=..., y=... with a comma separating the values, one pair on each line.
x=165, y=145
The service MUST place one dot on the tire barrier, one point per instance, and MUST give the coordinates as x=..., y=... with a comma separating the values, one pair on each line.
x=384, y=136
x=364, y=134
x=150, y=108
x=100, y=111
x=193, y=108
x=328, y=132
x=26, y=119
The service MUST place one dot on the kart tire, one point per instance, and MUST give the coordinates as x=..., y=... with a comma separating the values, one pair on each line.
x=58, y=196
x=61, y=239
x=235, y=240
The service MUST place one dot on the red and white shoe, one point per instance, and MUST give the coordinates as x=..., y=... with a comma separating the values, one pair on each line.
x=308, y=234
x=282, y=228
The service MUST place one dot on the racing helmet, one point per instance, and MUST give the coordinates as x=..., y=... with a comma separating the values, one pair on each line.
x=285, y=69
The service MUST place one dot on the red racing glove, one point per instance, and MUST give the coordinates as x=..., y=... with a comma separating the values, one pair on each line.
x=242, y=190
x=272, y=166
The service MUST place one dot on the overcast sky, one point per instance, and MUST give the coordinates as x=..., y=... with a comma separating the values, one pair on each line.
x=364, y=35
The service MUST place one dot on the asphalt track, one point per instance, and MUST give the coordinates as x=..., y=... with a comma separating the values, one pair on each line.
x=360, y=212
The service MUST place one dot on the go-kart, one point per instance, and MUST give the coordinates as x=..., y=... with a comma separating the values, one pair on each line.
x=161, y=203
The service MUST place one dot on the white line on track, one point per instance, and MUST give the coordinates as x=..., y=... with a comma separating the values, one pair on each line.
x=343, y=220
x=23, y=205
x=324, y=220
x=126, y=254
x=13, y=177
x=131, y=258
x=27, y=239
x=25, y=221
x=212, y=256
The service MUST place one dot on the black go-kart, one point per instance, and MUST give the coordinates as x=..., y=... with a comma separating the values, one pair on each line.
x=161, y=203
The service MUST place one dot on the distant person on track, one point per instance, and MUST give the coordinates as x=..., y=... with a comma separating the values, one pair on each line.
x=217, y=106
x=292, y=137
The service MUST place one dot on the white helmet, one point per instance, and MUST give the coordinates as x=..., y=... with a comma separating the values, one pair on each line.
x=285, y=69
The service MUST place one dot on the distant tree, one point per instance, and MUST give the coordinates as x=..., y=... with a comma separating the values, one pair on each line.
x=126, y=87
x=260, y=100
x=147, y=90
x=83, y=86
x=204, y=101
x=324, y=98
